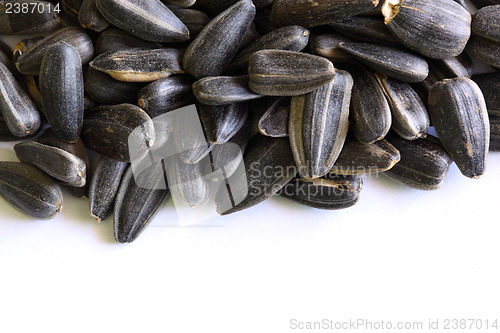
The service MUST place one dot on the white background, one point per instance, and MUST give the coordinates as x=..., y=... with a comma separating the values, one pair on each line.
x=398, y=255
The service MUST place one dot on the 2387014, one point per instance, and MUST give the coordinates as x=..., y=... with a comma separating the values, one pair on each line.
x=30, y=7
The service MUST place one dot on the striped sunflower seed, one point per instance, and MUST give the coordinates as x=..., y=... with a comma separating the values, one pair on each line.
x=370, y=111
x=330, y=192
x=130, y=65
x=180, y=3
x=56, y=162
x=221, y=123
x=216, y=45
x=318, y=125
x=357, y=158
x=489, y=84
x=390, y=61
x=114, y=39
x=365, y=29
x=30, y=62
x=424, y=163
x=91, y=18
x=459, y=115
x=24, y=45
x=7, y=136
x=18, y=109
x=195, y=20
x=275, y=120
x=288, y=73
x=486, y=50
x=310, y=14
x=326, y=44
x=436, y=29
x=108, y=129
x=223, y=90
x=215, y=7
x=486, y=24
x=30, y=190
x=104, y=187
x=25, y=22
x=61, y=86
x=455, y=66
x=147, y=19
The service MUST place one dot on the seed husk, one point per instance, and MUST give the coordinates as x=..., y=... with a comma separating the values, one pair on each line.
x=318, y=125
x=180, y=3
x=331, y=192
x=43, y=19
x=486, y=50
x=165, y=95
x=274, y=122
x=61, y=86
x=459, y=115
x=30, y=190
x=223, y=90
x=436, y=29
x=365, y=29
x=424, y=163
x=216, y=45
x=314, y=13
x=30, y=62
x=326, y=44
x=105, y=90
x=220, y=123
x=115, y=39
x=393, y=62
x=489, y=84
x=107, y=130
x=135, y=205
x=409, y=114
x=91, y=18
x=139, y=65
x=56, y=162
x=357, y=158
x=147, y=19
x=104, y=187
x=269, y=166
x=18, y=109
x=291, y=38
x=195, y=20
x=486, y=23
x=494, y=133
x=7, y=136
x=215, y=7
x=455, y=66
x=370, y=112
x=24, y=45
x=288, y=73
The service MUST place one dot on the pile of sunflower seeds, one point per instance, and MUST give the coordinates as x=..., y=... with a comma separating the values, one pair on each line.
x=337, y=89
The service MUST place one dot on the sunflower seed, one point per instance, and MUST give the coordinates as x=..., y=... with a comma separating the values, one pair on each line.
x=194, y=20
x=486, y=24
x=357, y=158
x=5, y=56
x=251, y=36
x=370, y=111
x=105, y=90
x=56, y=162
x=135, y=205
x=221, y=123
x=327, y=45
x=180, y=3
x=139, y=65
x=455, y=66
x=108, y=129
x=288, y=73
x=409, y=114
x=486, y=50
x=24, y=45
x=215, y=7
x=223, y=90
x=494, y=134
x=72, y=5
x=390, y=61
x=329, y=192
x=461, y=3
x=19, y=111
x=365, y=29
x=30, y=62
x=216, y=45
x=25, y=22
x=459, y=115
x=291, y=38
x=490, y=86
x=269, y=166
x=61, y=86
x=165, y=95
x=114, y=39
x=436, y=29
x=275, y=121
x=104, y=187
x=318, y=125
x=91, y=18
x=30, y=190
x=7, y=136
x=424, y=163
x=310, y=14
x=147, y=19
